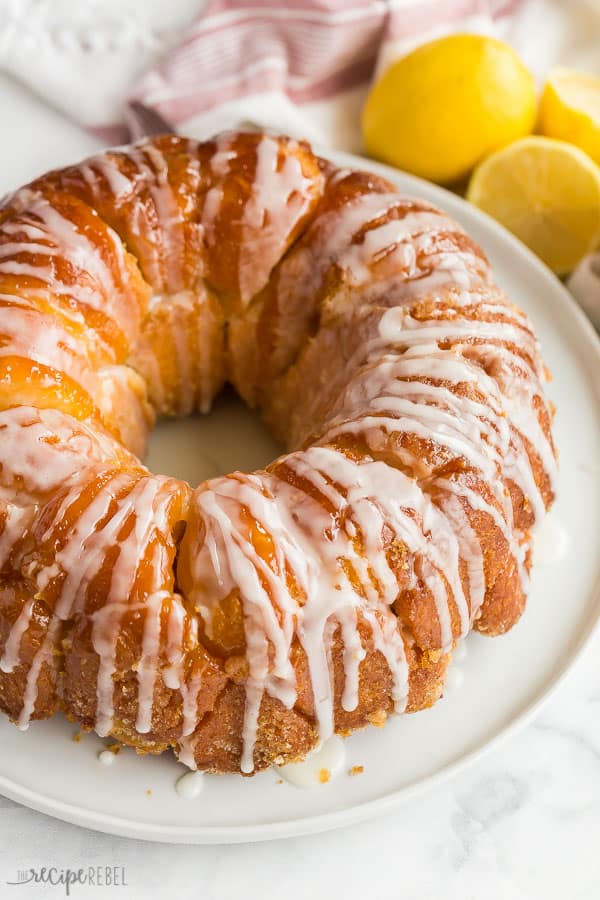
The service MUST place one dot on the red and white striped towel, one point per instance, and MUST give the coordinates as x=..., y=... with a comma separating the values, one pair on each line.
x=302, y=67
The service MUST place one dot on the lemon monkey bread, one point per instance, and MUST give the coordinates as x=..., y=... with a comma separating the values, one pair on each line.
x=245, y=620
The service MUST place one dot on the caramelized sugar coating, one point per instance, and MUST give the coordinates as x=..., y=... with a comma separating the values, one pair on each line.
x=242, y=622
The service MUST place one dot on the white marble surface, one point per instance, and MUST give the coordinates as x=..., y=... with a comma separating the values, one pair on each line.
x=522, y=824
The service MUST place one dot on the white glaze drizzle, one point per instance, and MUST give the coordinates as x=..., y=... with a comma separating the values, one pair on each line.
x=278, y=201
x=28, y=333
x=15, y=521
x=168, y=234
x=329, y=569
x=147, y=669
x=476, y=429
x=220, y=162
x=11, y=656
x=161, y=234
x=82, y=552
x=42, y=449
x=106, y=164
x=412, y=265
x=51, y=235
x=42, y=657
x=370, y=496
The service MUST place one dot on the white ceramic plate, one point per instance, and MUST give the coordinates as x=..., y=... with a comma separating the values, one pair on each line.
x=505, y=680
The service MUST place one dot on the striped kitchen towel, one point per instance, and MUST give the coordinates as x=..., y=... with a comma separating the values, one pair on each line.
x=302, y=67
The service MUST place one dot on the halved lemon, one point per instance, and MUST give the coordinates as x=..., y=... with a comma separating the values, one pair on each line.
x=545, y=191
x=570, y=110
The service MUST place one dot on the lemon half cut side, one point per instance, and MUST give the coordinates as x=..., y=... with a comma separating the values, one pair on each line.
x=545, y=191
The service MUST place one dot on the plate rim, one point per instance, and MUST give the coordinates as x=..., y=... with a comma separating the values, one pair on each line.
x=315, y=824
x=358, y=812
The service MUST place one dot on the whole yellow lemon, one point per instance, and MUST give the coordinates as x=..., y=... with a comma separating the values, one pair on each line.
x=439, y=110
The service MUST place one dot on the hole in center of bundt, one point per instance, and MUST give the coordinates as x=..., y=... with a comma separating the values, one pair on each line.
x=198, y=447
